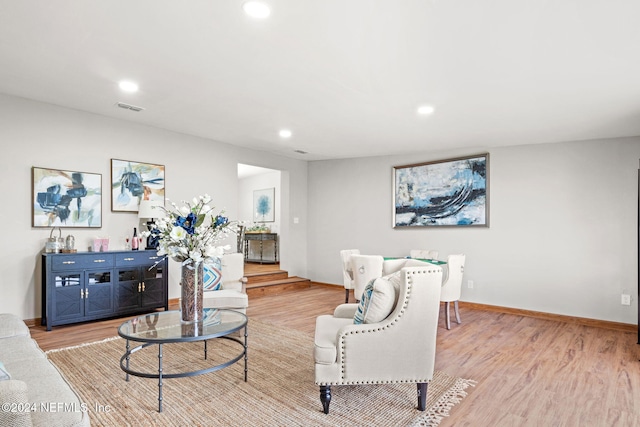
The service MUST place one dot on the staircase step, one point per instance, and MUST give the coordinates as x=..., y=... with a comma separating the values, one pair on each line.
x=267, y=276
x=277, y=286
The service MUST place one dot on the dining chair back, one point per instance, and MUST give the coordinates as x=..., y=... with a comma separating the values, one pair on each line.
x=452, y=286
x=347, y=274
x=423, y=254
x=365, y=268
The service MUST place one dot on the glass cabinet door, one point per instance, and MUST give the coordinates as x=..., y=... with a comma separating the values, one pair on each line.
x=153, y=291
x=62, y=280
x=128, y=288
x=68, y=297
x=98, y=292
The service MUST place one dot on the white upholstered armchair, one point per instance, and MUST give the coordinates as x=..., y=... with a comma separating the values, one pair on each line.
x=395, y=344
x=230, y=292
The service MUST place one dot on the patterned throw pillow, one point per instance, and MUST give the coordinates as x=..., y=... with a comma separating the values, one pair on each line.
x=212, y=280
x=377, y=302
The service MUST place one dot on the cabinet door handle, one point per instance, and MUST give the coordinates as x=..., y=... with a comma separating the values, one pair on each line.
x=86, y=293
x=99, y=260
x=139, y=287
x=81, y=293
x=153, y=257
x=68, y=262
x=129, y=259
x=142, y=286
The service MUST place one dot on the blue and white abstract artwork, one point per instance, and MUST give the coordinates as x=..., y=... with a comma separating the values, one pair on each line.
x=445, y=193
x=66, y=198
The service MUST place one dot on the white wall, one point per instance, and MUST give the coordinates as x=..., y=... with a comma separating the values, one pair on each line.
x=43, y=135
x=563, y=234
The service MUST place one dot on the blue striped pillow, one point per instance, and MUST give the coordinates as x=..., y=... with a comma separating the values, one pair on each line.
x=358, y=318
x=212, y=280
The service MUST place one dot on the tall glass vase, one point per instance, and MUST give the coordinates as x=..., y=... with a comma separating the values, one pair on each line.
x=191, y=298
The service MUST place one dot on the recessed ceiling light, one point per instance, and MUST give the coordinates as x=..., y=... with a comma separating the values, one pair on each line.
x=128, y=86
x=425, y=110
x=285, y=133
x=256, y=9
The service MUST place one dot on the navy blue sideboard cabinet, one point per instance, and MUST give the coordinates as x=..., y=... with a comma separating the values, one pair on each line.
x=82, y=286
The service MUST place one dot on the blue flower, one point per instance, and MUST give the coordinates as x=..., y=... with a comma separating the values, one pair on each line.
x=187, y=223
x=221, y=220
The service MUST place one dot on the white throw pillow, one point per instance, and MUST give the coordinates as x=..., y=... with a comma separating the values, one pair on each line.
x=378, y=300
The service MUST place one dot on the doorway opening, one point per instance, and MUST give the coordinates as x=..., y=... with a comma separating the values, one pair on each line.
x=260, y=212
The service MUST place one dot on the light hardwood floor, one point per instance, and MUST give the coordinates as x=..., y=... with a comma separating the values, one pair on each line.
x=529, y=372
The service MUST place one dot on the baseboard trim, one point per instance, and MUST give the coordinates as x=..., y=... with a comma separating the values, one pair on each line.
x=603, y=324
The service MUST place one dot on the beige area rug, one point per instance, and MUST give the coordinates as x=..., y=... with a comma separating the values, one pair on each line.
x=280, y=390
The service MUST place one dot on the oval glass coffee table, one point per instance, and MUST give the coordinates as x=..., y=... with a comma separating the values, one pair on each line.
x=166, y=327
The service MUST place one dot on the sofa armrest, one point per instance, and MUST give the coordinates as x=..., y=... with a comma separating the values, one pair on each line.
x=14, y=393
x=12, y=326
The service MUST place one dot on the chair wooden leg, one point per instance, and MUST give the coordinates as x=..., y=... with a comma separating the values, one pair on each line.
x=325, y=397
x=455, y=309
x=422, y=396
x=346, y=296
x=447, y=314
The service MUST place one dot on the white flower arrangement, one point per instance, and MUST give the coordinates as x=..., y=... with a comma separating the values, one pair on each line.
x=191, y=233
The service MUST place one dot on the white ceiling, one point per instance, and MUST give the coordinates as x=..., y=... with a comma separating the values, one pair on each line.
x=346, y=76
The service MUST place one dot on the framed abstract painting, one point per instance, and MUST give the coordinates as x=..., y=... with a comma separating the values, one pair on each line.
x=452, y=192
x=135, y=181
x=62, y=198
x=263, y=205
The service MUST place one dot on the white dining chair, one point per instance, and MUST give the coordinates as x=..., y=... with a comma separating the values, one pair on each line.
x=423, y=254
x=452, y=286
x=347, y=274
x=365, y=268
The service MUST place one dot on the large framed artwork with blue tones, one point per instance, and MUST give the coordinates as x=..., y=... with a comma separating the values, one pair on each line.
x=452, y=192
x=66, y=198
x=135, y=181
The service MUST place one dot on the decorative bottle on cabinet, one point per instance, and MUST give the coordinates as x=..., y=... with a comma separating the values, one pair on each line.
x=135, y=241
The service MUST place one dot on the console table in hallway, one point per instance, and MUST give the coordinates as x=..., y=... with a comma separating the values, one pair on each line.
x=261, y=237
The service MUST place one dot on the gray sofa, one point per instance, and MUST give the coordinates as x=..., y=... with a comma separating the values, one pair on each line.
x=36, y=394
